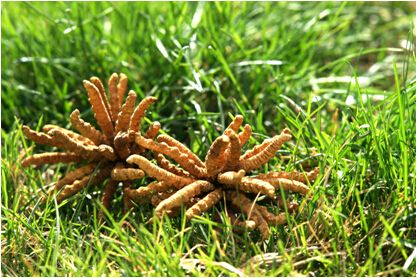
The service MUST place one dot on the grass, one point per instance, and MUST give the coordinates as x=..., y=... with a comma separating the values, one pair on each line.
x=341, y=76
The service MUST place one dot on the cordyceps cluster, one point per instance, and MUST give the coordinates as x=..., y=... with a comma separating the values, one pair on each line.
x=198, y=185
x=101, y=152
x=115, y=153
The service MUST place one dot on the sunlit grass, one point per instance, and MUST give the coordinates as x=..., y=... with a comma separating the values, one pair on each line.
x=341, y=76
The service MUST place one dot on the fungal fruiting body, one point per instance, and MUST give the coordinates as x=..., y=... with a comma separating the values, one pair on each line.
x=101, y=151
x=198, y=185
x=114, y=153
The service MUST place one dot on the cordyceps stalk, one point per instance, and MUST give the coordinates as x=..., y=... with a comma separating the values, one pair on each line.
x=153, y=171
x=204, y=204
x=217, y=156
x=183, y=195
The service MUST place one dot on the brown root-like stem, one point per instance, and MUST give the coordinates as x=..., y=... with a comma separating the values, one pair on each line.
x=266, y=154
x=139, y=113
x=86, y=129
x=158, y=173
x=205, y=204
x=183, y=195
x=216, y=156
x=51, y=158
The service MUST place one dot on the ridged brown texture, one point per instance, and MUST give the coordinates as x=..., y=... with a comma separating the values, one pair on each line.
x=238, y=181
x=73, y=145
x=234, y=153
x=158, y=173
x=121, y=145
x=204, y=204
x=235, y=124
x=139, y=113
x=126, y=111
x=198, y=185
x=124, y=174
x=73, y=188
x=173, y=152
x=256, y=186
x=77, y=137
x=99, y=85
x=225, y=170
x=240, y=201
x=127, y=201
x=271, y=218
x=51, y=158
x=108, y=193
x=102, y=152
x=181, y=148
x=116, y=153
x=122, y=88
x=75, y=174
x=245, y=135
x=153, y=130
x=267, y=154
x=231, y=178
x=107, y=152
x=40, y=137
x=145, y=192
x=114, y=98
x=287, y=184
x=85, y=128
x=184, y=195
x=257, y=149
x=170, y=167
x=100, y=112
x=216, y=156
x=294, y=175
x=94, y=178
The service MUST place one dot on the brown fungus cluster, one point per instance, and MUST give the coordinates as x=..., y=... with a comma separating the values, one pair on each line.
x=114, y=154
x=102, y=152
x=198, y=185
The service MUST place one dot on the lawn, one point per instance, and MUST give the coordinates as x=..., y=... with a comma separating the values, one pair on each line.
x=340, y=75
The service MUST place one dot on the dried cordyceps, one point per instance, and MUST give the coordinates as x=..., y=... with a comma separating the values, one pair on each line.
x=198, y=185
x=104, y=151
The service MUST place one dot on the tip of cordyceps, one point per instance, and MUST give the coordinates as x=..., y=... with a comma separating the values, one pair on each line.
x=156, y=124
x=241, y=173
x=26, y=130
x=286, y=131
x=271, y=193
x=229, y=132
x=87, y=83
x=76, y=112
x=153, y=99
x=132, y=158
x=225, y=139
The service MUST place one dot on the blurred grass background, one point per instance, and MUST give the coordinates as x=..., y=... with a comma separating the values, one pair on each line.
x=340, y=75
